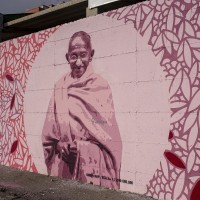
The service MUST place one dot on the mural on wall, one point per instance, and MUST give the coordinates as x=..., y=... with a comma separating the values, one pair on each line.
x=172, y=31
x=80, y=134
x=173, y=28
x=16, y=58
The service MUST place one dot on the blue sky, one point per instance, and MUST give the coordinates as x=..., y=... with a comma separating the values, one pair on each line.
x=19, y=6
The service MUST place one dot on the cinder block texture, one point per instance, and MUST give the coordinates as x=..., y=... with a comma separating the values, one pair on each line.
x=111, y=100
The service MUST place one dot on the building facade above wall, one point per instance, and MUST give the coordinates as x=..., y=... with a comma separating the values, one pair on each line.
x=54, y=15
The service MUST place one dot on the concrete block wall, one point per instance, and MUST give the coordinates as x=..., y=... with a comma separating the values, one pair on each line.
x=137, y=101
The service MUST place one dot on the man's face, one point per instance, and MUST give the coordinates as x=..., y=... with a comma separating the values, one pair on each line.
x=79, y=56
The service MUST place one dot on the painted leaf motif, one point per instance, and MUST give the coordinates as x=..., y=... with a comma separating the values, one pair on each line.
x=146, y=9
x=192, y=138
x=10, y=128
x=185, y=86
x=2, y=61
x=20, y=151
x=194, y=43
x=7, y=105
x=28, y=165
x=26, y=72
x=147, y=21
x=14, y=146
x=178, y=11
x=1, y=134
x=171, y=135
x=124, y=13
x=138, y=17
x=15, y=116
x=9, y=77
x=197, y=54
x=181, y=30
x=168, y=44
x=23, y=142
x=195, y=195
x=190, y=120
x=193, y=72
x=34, y=169
x=165, y=168
x=191, y=161
x=178, y=115
x=6, y=136
x=198, y=19
x=176, y=83
x=187, y=54
x=9, y=61
x=182, y=143
x=15, y=43
x=18, y=161
x=158, y=43
x=20, y=88
x=170, y=19
x=2, y=115
x=171, y=36
x=147, y=33
x=180, y=50
x=7, y=46
x=12, y=102
x=177, y=104
x=19, y=100
x=17, y=56
x=194, y=179
x=179, y=184
x=5, y=162
x=30, y=56
x=3, y=139
x=25, y=158
x=194, y=104
x=191, y=12
x=189, y=29
x=174, y=159
x=130, y=18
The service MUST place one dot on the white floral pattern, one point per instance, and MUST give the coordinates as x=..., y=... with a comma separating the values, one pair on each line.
x=173, y=27
x=16, y=58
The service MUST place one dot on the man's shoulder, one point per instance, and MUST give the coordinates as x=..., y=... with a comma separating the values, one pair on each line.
x=99, y=80
x=60, y=82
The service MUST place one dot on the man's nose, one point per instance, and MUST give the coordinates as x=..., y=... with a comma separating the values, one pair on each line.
x=79, y=62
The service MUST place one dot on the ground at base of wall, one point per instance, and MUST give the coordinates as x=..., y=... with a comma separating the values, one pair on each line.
x=17, y=184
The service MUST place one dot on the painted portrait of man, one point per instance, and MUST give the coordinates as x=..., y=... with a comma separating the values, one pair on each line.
x=80, y=136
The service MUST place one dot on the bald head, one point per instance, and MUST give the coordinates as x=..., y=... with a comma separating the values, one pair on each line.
x=80, y=53
x=84, y=36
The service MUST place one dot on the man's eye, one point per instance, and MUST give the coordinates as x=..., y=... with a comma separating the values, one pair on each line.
x=73, y=57
x=83, y=55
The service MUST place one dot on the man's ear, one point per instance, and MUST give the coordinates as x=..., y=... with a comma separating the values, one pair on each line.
x=67, y=57
x=91, y=55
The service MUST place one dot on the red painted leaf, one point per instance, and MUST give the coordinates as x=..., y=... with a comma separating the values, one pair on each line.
x=14, y=146
x=171, y=135
x=174, y=159
x=195, y=195
x=34, y=168
x=9, y=77
x=12, y=102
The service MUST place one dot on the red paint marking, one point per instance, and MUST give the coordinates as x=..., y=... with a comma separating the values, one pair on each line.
x=9, y=77
x=171, y=135
x=14, y=146
x=174, y=159
x=195, y=195
x=12, y=102
x=34, y=168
